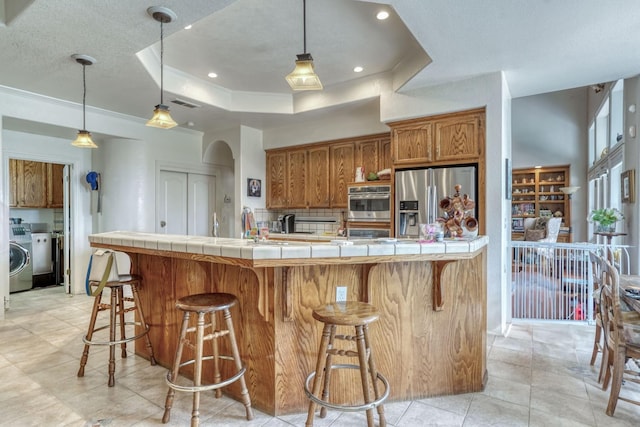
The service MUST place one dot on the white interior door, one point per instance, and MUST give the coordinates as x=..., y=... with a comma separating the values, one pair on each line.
x=171, y=208
x=202, y=204
x=186, y=203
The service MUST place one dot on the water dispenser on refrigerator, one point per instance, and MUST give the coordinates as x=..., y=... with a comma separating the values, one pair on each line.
x=408, y=218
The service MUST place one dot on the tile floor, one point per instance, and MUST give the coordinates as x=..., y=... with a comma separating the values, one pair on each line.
x=538, y=376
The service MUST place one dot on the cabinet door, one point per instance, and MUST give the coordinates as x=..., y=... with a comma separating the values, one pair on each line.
x=55, y=185
x=385, y=161
x=31, y=185
x=457, y=138
x=413, y=144
x=276, y=180
x=318, y=177
x=367, y=154
x=13, y=182
x=297, y=178
x=342, y=172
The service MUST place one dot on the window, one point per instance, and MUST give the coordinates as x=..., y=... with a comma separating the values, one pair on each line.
x=617, y=114
x=602, y=131
x=606, y=153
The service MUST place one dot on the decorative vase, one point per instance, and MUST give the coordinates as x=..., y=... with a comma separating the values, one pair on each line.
x=606, y=228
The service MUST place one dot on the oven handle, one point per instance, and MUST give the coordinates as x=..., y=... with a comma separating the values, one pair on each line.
x=370, y=196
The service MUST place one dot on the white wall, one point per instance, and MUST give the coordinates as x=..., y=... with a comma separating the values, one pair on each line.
x=550, y=130
x=350, y=121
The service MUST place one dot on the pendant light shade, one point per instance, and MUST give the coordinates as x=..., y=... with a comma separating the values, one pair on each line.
x=303, y=76
x=83, y=140
x=161, y=116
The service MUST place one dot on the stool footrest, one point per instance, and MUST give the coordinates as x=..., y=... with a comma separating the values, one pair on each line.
x=128, y=339
x=347, y=408
x=204, y=387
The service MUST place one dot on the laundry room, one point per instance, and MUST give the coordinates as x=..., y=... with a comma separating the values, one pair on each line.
x=36, y=224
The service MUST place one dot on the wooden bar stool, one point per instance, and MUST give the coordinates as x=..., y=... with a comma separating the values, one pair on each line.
x=358, y=315
x=202, y=304
x=118, y=307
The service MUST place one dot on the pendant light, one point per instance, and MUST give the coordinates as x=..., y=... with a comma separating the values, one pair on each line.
x=83, y=140
x=161, y=117
x=303, y=77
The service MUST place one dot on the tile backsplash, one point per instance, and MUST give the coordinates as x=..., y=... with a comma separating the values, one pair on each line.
x=317, y=221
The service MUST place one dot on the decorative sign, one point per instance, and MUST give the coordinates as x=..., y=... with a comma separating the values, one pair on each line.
x=254, y=187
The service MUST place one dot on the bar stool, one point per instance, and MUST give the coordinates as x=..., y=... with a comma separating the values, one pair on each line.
x=209, y=303
x=358, y=315
x=117, y=310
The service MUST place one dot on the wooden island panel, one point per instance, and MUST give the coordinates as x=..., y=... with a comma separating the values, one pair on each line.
x=421, y=352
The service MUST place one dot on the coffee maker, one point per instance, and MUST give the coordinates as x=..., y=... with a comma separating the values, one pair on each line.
x=288, y=222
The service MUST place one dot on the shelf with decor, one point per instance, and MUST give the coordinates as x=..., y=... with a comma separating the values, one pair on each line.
x=537, y=192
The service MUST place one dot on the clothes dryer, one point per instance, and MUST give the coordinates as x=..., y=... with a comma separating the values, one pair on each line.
x=20, y=264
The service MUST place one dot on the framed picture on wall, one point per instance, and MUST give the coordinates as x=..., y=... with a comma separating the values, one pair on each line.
x=627, y=186
x=254, y=187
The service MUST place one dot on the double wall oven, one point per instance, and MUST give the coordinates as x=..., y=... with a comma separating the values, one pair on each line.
x=369, y=210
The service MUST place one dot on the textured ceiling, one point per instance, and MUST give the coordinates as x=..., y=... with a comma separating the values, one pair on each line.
x=541, y=46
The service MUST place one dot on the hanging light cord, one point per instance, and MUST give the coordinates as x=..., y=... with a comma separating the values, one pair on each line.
x=161, y=61
x=84, y=97
x=304, y=24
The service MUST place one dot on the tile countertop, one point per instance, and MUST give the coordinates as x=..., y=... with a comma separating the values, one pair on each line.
x=272, y=250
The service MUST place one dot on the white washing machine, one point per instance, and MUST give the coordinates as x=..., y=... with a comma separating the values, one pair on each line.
x=20, y=263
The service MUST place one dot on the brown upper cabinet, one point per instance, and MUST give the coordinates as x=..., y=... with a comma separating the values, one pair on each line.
x=35, y=184
x=374, y=154
x=412, y=143
x=448, y=138
x=55, y=185
x=458, y=138
x=342, y=172
x=287, y=179
x=277, y=179
x=316, y=175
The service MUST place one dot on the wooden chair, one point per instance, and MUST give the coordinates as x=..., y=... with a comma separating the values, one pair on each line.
x=622, y=340
x=598, y=347
x=540, y=230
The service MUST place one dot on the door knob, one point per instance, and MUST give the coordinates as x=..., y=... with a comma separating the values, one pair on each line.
x=163, y=224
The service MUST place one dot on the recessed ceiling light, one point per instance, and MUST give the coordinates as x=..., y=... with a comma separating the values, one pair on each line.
x=357, y=69
x=212, y=75
x=188, y=27
x=382, y=15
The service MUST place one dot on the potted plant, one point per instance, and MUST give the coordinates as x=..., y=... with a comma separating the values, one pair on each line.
x=605, y=219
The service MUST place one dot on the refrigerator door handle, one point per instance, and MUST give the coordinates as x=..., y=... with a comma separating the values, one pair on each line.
x=429, y=207
x=434, y=203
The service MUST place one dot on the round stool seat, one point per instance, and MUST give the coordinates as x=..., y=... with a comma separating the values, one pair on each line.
x=124, y=280
x=206, y=303
x=347, y=313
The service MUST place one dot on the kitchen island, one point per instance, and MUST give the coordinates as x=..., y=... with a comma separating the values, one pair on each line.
x=430, y=339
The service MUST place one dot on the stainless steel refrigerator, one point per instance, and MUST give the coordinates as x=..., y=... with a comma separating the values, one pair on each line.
x=419, y=191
